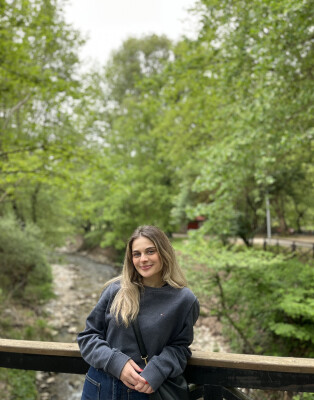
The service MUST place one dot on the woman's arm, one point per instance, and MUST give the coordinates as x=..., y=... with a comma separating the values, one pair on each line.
x=94, y=348
x=173, y=358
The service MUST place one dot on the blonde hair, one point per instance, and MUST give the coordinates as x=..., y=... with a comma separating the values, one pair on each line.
x=125, y=305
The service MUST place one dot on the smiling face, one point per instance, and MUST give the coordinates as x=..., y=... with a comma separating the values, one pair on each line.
x=147, y=262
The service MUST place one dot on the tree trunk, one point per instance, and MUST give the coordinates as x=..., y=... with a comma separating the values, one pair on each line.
x=279, y=208
x=34, y=203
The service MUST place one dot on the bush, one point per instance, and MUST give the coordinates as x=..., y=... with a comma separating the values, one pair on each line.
x=18, y=384
x=24, y=270
x=265, y=301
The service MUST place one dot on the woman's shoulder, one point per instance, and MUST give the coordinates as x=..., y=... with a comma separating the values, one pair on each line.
x=185, y=294
x=192, y=304
x=114, y=284
x=187, y=303
x=111, y=288
x=189, y=296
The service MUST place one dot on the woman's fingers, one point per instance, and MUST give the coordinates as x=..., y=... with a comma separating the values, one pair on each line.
x=139, y=386
x=146, y=388
x=142, y=385
x=129, y=376
x=135, y=366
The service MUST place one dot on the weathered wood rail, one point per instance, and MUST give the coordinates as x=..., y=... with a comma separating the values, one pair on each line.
x=213, y=375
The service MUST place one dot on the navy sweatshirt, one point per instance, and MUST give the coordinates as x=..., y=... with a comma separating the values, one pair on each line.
x=166, y=319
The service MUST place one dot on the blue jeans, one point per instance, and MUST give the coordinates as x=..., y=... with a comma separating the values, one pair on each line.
x=101, y=386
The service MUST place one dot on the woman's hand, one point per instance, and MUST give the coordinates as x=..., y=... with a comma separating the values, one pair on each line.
x=130, y=375
x=144, y=388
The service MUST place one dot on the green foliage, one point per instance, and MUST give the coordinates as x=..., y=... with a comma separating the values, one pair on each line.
x=161, y=134
x=134, y=61
x=39, y=330
x=40, y=151
x=25, y=279
x=133, y=184
x=265, y=301
x=46, y=206
x=213, y=130
x=24, y=270
x=18, y=384
x=304, y=396
x=245, y=112
x=164, y=132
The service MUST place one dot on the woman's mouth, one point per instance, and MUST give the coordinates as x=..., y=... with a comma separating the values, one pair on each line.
x=145, y=267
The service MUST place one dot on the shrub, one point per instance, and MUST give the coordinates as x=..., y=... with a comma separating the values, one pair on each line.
x=24, y=270
x=18, y=384
x=265, y=301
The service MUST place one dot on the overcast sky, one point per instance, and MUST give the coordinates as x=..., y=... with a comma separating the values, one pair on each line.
x=109, y=22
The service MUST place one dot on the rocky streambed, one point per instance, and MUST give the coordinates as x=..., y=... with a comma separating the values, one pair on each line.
x=78, y=282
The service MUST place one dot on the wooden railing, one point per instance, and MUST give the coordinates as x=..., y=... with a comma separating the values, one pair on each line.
x=211, y=375
x=289, y=246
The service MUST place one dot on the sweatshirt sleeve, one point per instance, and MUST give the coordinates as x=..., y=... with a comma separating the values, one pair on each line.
x=173, y=358
x=94, y=348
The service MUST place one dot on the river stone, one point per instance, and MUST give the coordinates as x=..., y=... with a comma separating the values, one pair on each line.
x=51, y=379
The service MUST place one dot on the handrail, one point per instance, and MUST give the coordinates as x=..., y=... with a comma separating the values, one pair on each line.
x=212, y=375
x=200, y=358
x=39, y=347
x=254, y=362
x=301, y=243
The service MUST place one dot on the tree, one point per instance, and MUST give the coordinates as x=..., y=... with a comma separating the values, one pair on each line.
x=40, y=149
x=247, y=108
x=137, y=185
x=136, y=59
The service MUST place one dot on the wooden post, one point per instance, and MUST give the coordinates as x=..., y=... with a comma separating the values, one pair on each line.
x=265, y=245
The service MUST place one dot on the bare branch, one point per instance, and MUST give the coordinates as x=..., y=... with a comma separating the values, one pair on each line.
x=15, y=108
x=226, y=313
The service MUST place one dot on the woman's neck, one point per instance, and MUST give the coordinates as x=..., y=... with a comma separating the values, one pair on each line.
x=154, y=284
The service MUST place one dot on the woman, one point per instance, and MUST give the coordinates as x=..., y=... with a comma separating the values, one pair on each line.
x=152, y=288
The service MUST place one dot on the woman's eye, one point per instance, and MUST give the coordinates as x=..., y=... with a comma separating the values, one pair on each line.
x=147, y=252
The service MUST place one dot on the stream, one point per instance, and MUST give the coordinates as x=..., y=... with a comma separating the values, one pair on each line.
x=78, y=283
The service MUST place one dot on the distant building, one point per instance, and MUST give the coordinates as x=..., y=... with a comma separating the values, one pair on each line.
x=196, y=223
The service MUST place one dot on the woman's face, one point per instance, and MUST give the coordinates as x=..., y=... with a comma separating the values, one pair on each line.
x=147, y=262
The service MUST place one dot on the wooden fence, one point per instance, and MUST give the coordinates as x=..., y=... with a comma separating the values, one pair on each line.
x=211, y=375
x=289, y=247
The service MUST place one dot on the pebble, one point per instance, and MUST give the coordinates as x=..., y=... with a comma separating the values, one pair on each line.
x=43, y=386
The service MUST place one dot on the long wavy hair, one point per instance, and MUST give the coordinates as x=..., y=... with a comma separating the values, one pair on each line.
x=125, y=305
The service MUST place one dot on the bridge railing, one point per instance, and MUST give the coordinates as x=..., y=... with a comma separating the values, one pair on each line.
x=211, y=375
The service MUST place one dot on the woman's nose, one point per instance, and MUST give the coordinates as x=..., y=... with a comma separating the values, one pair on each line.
x=143, y=257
